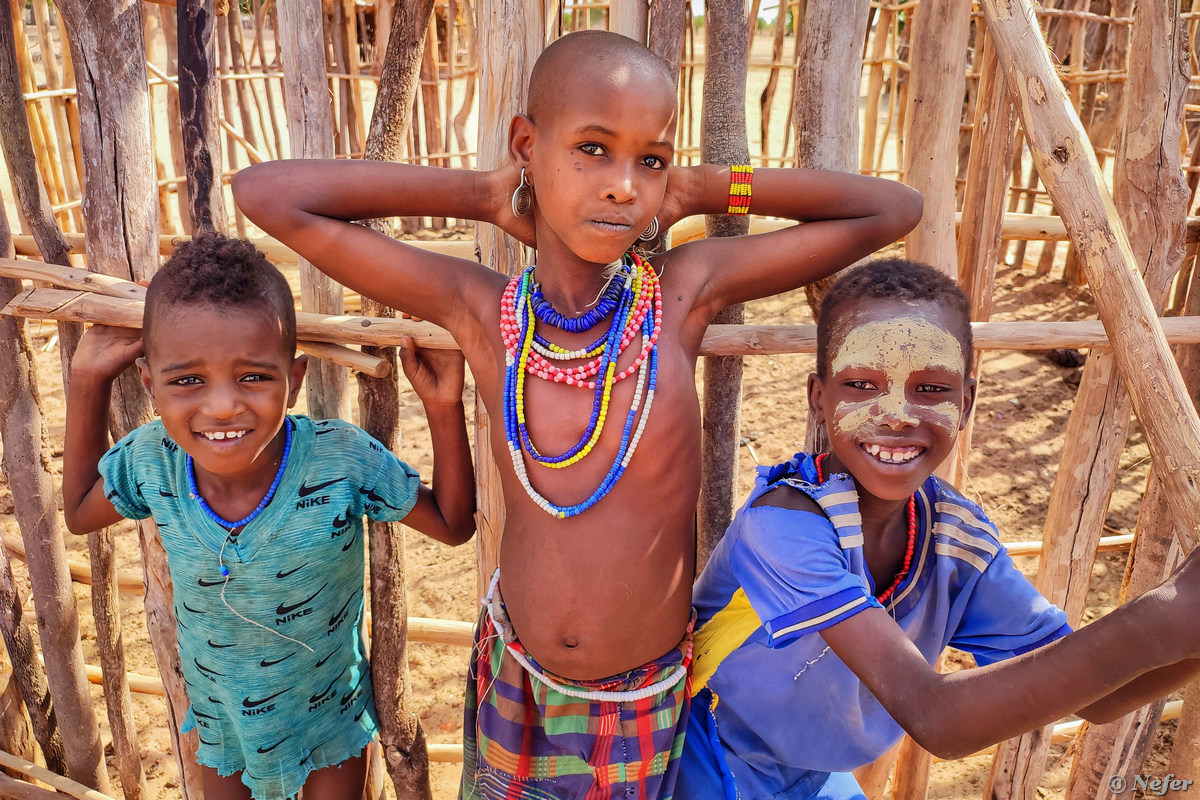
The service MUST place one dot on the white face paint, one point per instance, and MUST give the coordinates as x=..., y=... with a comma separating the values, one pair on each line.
x=895, y=348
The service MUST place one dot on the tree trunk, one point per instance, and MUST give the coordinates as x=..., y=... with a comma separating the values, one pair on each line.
x=935, y=97
x=198, y=91
x=26, y=466
x=401, y=735
x=722, y=141
x=667, y=20
x=310, y=129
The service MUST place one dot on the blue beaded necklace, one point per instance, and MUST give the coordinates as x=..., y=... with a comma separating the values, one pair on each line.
x=594, y=316
x=246, y=520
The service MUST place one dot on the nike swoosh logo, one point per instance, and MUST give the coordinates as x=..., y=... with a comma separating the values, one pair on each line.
x=317, y=697
x=374, y=498
x=210, y=744
x=305, y=490
x=186, y=607
x=272, y=747
x=203, y=668
x=323, y=429
x=350, y=543
x=340, y=617
x=265, y=663
x=248, y=703
x=164, y=493
x=206, y=584
x=321, y=663
x=342, y=520
x=289, y=609
x=215, y=700
x=211, y=643
x=202, y=715
x=282, y=574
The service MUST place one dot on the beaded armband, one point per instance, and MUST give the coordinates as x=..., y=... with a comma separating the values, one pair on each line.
x=741, y=178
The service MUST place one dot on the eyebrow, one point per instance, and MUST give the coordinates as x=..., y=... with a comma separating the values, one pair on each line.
x=266, y=366
x=597, y=128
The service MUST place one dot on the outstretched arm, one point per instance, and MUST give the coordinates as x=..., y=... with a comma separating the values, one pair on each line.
x=1111, y=666
x=102, y=355
x=845, y=218
x=310, y=206
x=447, y=512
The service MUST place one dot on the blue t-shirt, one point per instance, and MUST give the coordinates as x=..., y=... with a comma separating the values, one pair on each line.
x=274, y=707
x=785, y=706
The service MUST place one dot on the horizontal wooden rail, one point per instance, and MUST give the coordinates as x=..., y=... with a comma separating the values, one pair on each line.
x=719, y=340
x=64, y=785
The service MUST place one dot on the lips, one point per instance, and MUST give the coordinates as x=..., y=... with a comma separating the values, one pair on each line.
x=892, y=454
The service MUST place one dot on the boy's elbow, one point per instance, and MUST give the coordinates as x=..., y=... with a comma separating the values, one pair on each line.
x=908, y=208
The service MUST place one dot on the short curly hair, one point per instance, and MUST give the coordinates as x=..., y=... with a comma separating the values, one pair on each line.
x=895, y=279
x=221, y=272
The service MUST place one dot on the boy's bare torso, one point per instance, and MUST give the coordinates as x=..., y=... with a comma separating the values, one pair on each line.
x=607, y=590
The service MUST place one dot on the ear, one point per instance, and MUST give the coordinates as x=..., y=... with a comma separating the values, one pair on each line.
x=816, y=398
x=969, y=387
x=521, y=133
x=147, y=383
x=299, y=367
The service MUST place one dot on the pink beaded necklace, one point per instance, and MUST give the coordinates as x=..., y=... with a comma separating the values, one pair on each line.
x=912, y=535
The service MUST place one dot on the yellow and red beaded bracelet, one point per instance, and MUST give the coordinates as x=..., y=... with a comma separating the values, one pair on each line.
x=741, y=178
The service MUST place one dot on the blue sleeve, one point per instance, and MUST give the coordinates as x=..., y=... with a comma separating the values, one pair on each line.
x=1005, y=616
x=795, y=575
x=122, y=486
x=392, y=491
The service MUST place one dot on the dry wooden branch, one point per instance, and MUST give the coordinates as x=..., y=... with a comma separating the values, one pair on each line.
x=65, y=785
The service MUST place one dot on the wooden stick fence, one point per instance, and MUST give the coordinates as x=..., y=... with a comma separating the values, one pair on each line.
x=458, y=59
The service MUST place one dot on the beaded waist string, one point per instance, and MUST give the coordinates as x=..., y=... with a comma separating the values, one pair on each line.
x=632, y=303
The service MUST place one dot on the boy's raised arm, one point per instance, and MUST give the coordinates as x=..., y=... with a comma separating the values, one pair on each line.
x=102, y=355
x=310, y=206
x=846, y=217
x=1109, y=667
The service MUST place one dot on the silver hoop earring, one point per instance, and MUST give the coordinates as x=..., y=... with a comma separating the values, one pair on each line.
x=522, y=197
x=651, y=232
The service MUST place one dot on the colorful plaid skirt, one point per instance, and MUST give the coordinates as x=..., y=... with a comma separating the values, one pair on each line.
x=530, y=735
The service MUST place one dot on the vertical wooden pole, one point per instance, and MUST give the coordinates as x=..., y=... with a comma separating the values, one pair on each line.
x=510, y=39
x=1185, y=758
x=767, y=98
x=400, y=731
x=666, y=32
x=166, y=17
x=825, y=109
x=26, y=466
x=629, y=18
x=26, y=673
x=1150, y=195
x=16, y=731
x=310, y=134
x=198, y=92
x=992, y=148
x=935, y=99
x=722, y=141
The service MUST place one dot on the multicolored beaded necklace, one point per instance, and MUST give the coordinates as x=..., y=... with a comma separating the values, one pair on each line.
x=626, y=301
x=912, y=535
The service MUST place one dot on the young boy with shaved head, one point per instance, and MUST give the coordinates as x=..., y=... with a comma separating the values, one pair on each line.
x=586, y=364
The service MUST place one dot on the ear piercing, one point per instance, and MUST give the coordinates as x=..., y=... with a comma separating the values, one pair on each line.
x=522, y=196
x=651, y=232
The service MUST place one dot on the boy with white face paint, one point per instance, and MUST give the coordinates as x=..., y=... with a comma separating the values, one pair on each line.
x=845, y=575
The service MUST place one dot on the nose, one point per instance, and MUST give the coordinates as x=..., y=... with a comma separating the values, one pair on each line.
x=894, y=412
x=621, y=184
x=221, y=401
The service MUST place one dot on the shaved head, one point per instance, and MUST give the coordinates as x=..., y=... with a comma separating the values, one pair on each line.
x=591, y=58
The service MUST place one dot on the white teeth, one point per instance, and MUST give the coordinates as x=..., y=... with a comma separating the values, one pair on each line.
x=897, y=456
x=222, y=435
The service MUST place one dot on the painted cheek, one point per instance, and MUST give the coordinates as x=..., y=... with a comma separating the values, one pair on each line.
x=944, y=415
x=850, y=418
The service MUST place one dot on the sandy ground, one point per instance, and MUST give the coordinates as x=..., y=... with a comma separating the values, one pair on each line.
x=1024, y=402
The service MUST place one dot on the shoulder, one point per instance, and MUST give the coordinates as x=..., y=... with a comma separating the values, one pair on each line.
x=961, y=529
x=148, y=444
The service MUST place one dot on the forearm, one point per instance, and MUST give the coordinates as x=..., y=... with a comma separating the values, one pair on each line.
x=976, y=708
x=85, y=441
x=354, y=190
x=1142, y=690
x=805, y=195
x=453, y=475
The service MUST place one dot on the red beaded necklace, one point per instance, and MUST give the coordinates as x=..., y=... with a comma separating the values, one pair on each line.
x=912, y=535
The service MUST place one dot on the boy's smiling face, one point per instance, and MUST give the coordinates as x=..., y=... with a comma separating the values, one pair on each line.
x=222, y=382
x=598, y=159
x=895, y=393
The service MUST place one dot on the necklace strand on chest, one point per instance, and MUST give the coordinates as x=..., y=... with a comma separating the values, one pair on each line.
x=635, y=312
